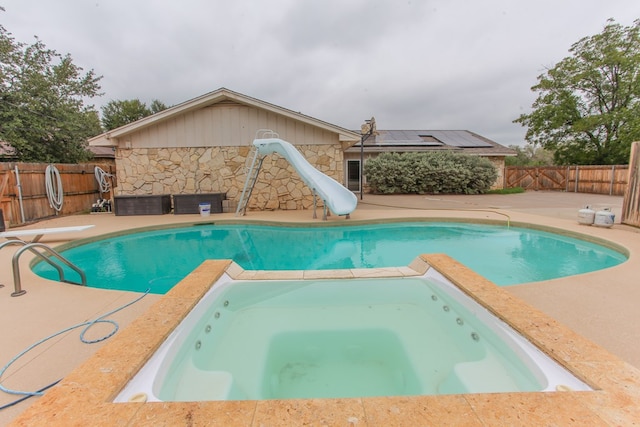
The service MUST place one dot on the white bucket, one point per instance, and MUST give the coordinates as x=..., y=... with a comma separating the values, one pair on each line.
x=205, y=209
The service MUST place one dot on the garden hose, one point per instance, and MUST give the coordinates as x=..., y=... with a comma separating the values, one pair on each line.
x=53, y=184
x=87, y=325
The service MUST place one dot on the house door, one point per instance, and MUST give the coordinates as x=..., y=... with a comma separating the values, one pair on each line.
x=353, y=175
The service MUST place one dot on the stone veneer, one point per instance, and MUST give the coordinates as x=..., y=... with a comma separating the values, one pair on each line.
x=498, y=163
x=192, y=170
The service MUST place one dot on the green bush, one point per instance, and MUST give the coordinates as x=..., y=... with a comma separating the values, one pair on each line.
x=429, y=173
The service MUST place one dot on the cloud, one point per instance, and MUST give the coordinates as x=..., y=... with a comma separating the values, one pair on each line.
x=439, y=64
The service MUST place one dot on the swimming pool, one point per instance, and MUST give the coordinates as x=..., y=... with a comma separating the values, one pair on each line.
x=160, y=258
x=279, y=339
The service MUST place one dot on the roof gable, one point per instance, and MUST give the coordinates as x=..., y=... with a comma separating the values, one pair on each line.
x=221, y=95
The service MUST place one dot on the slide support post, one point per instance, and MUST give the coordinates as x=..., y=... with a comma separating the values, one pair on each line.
x=315, y=216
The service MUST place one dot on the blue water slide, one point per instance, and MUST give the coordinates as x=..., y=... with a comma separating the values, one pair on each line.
x=340, y=200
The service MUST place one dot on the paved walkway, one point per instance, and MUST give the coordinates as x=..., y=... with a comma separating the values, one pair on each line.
x=601, y=306
x=550, y=204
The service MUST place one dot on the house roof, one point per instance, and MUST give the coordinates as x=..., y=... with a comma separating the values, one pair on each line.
x=431, y=140
x=221, y=95
x=102, y=152
x=8, y=152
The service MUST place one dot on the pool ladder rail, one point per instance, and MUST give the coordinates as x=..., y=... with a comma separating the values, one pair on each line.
x=51, y=253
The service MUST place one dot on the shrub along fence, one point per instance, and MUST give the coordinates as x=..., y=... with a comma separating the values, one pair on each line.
x=610, y=180
x=23, y=190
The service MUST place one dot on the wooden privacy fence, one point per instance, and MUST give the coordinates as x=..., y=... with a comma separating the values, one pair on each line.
x=610, y=180
x=631, y=202
x=23, y=192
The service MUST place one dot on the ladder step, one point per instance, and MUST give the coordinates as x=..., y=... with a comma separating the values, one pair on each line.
x=252, y=177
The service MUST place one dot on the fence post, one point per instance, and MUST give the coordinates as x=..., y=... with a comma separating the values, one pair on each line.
x=613, y=175
x=575, y=189
x=631, y=200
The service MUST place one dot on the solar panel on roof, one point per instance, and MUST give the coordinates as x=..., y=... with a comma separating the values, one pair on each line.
x=412, y=143
x=459, y=138
x=429, y=138
x=404, y=137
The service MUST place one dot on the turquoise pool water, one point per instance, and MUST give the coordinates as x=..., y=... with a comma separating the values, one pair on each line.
x=159, y=259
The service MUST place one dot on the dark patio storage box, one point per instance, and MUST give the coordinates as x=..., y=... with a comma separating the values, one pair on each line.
x=143, y=205
x=188, y=203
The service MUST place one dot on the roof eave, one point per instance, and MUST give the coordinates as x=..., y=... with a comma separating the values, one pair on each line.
x=211, y=98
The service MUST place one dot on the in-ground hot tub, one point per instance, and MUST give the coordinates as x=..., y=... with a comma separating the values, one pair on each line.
x=278, y=339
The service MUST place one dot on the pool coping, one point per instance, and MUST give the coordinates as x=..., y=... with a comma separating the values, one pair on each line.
x=96, y=382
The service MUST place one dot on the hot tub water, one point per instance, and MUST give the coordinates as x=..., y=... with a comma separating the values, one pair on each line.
x=342, y=338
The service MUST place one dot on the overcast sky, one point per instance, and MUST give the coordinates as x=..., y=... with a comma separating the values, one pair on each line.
x=436, y=64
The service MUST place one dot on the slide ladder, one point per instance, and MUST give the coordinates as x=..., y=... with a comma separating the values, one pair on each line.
x=250, y=182
x=335, y=196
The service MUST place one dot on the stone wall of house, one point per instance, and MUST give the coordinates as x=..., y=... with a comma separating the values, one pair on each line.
x=498, y=163
x=223, y=170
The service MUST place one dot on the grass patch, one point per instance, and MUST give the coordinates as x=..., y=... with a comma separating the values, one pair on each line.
x=513, y=190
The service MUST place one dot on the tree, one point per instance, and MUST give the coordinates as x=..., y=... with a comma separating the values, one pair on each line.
x=42, y=112
x=588, y=105
x=120, y=113
x=529, y=155
x=157, y=106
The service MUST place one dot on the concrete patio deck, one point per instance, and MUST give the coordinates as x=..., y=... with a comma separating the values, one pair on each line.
x=600, y=306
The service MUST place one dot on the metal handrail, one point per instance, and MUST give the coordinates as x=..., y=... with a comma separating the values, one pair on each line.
x=23, y=243
x=17, y=283
x=266, y=133
x=12, y=242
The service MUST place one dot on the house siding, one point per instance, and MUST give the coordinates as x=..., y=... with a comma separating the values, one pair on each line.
x=225, y=125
